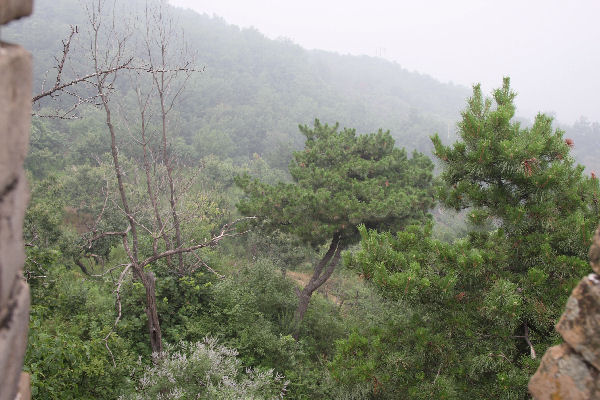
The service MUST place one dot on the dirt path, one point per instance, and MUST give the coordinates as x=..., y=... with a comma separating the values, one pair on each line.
x=327, y=290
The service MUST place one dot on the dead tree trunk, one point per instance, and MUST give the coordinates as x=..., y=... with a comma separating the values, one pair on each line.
x=149, y=282
x=322, y=272
x=102, y=86
x=160, y=226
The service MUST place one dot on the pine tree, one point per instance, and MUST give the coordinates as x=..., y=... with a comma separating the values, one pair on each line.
x=523, y=181
x=341, y=180
x=475, y=314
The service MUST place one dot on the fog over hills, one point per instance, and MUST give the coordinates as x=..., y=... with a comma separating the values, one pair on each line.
x=546, y=47
x=255, y=90
x=200, y=227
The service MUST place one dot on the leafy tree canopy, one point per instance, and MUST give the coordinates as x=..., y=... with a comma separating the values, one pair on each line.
x=481, y=310
x=522, y=179
x=341, y=180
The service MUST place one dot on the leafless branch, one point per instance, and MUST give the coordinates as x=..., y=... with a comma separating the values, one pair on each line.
x=110, y=270
x=104, y=234
x=118, y=301
x=225, y=232
x=437, y=375
x=31, y=243
x=101, y=72
x=533, y=355
x=208, y=268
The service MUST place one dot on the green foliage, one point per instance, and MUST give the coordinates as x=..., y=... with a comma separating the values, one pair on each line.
x=66, y=355
x=342, y=180
x=254, y=90
x=452, y=321
x=436, y=320
x=205, y=370
x=525, y=182
x=522, y=178
x=45, y=148
x=250, y=311
x=469, y=306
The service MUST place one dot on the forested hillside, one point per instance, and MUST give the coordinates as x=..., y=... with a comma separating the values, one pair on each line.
x=254, y=92
x=200, y=225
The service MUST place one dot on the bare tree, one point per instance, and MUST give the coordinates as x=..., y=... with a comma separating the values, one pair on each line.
x=160, y=71
x=159, y=33
x=168, y=81
x=68, y=88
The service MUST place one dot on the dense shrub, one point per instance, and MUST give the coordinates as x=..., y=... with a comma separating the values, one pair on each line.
x=205, y=370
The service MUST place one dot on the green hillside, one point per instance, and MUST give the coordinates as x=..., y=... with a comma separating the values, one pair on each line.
x=254, y=92
x=243, y=245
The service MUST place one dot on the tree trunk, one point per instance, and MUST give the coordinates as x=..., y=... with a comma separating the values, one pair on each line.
x=303, y=302
x=148, y=279
x=153, y=198
x=152, y=313
x=319, y=277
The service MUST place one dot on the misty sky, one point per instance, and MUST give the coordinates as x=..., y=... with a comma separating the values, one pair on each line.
x=549, y=48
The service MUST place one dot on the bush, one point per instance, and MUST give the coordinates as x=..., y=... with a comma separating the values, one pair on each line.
x=205, y=370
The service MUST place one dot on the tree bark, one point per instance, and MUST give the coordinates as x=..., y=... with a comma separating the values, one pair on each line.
x=322, y=272
x=148, y=279
x=149, y=282
x=153, y=198
x=81, y=266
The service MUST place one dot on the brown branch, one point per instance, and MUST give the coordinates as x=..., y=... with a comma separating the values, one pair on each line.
x=437, y=375
x=66, y=47
x=212, y=242
x=81, y=79
x=81, y=266
x=332, y=264
x=104, y=234
x=201, y=261
x=97, y=222
x=33, y=240
x=118, y=301
x=327, y=257
x=110, y=270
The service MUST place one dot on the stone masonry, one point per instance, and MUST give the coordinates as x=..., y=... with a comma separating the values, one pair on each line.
x=15, y=122
x=572, y=369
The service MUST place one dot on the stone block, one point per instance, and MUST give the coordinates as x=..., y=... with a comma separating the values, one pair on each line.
x=24, y=392
x=564, y=375
x=580, y=323
x=15, y=111
x=14, y=9
x=12, y=252
x=13, y=341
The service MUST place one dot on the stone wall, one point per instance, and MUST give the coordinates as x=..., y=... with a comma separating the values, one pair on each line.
x=572, y=369
x=15, y=119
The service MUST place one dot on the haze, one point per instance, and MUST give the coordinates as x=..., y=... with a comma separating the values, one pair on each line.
x=548, y=48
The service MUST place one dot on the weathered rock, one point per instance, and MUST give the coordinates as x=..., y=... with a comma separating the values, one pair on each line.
x=594, y=253
x=15, y=123
x=13, y=341
x=14, y=9
x=12, y=254
x=15, y=112
x=580, y=323
x=572, y=370
x=564, y=375
x=24, y=392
